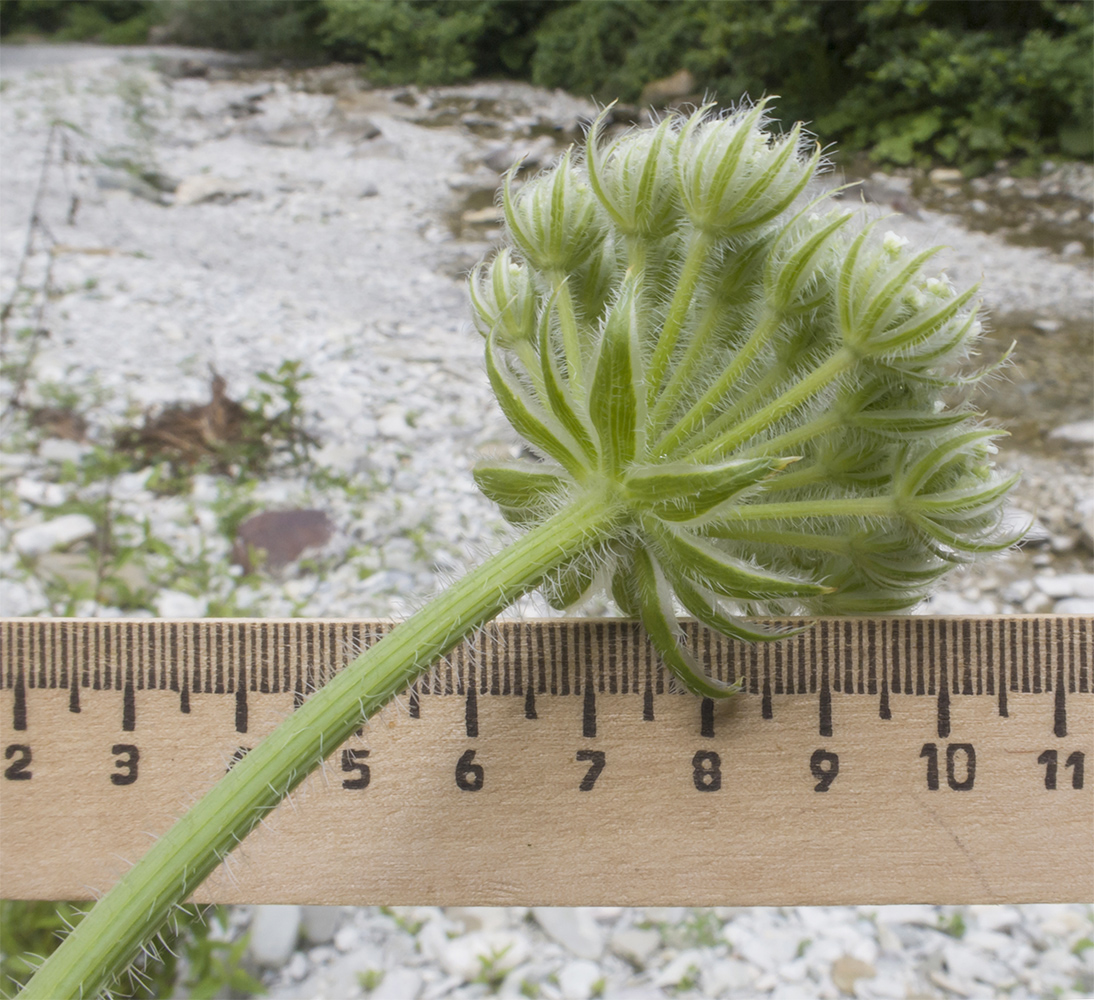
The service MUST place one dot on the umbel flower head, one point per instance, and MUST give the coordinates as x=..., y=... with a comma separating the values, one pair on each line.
x=767, y=395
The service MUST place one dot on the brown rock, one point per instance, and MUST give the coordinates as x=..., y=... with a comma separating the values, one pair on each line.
x=275, y=538
x=845, y=970
x=670, y=88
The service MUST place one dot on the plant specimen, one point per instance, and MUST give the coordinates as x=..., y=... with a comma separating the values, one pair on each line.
x=739, y=405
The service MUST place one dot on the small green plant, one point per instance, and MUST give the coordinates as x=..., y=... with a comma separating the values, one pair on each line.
x=492, y=968
x=954, y=925
x=370, y=979
x=739, y=405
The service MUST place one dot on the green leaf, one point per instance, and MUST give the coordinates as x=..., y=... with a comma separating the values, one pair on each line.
x=945, y=452
x=566, y=586
x=519, y=484
x=617, y=382
x=702, y=562
x=623, y=590
x=558, y=394
x=679, y=491
x=659, y=621
x=922, y=326
x=703, y=604
x=521, y=412
x=904, y=424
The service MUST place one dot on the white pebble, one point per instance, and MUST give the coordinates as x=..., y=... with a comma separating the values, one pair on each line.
x=636, y=945
x=274, y=931
x=578, y=978
x=575, y=929
x=55, y=534
x=1075, y=606
x=176, y=604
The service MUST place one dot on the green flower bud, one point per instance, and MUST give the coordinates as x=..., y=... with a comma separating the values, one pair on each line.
x=761, y=394
x=635, y=179
x=555, y=219
x=503, y=298
x=734, y=177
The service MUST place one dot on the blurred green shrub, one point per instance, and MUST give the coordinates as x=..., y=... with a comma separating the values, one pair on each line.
x=433, y=42
x=915, y=82
x=273, y=27
x=112, y=22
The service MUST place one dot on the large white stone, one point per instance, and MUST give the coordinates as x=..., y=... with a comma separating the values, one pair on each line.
x=176, y=604
x=1066, y=584
x=398, y=984
x=578, y=979
x=1080, y=432
x=636, y=945
x=274, y=932
x=484, y=954
x=55, y=534
x=572, y=927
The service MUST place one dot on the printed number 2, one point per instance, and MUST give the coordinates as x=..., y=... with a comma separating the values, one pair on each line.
x=17, y=769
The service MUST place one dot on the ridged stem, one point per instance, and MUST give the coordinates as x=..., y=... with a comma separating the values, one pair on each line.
x=805, y=389
x=829, y=508
x=571, y=338
x=694, y=262
x=112, y=932
x=683, y=374
x=790, y=539
x=799, y=435
x=692, y=421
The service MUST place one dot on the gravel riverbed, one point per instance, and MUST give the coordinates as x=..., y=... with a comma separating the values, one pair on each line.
x=190, y=216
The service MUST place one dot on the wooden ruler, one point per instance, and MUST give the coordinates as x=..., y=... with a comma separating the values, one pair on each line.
x=555, y=762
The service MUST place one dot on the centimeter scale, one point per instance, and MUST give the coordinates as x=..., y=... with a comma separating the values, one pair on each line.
x=880, y=760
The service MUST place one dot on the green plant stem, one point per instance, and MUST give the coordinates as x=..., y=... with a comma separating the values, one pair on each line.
x=111, y=934
x=692, y=421
x=683, y=373
x=835, y=507
x=571, y=338
x=805, y=389
x=799, y=435
x=694, y=262
x=812, y=541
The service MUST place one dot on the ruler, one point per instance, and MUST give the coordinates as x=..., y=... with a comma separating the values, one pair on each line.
x=555, y=762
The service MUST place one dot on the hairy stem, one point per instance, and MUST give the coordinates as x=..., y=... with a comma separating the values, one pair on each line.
x=803, y=390
x=692, y=422
x=842, y=507
x=112, y=932
x=571, y=338
x=694, y=262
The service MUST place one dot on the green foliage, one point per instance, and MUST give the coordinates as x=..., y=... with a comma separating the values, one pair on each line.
x=954, y=924
x=273, y=27
x=912, y=81
x=433, y=41
x=112, y=22
x=927, y=90
x=32, y=930
x=611, y=49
